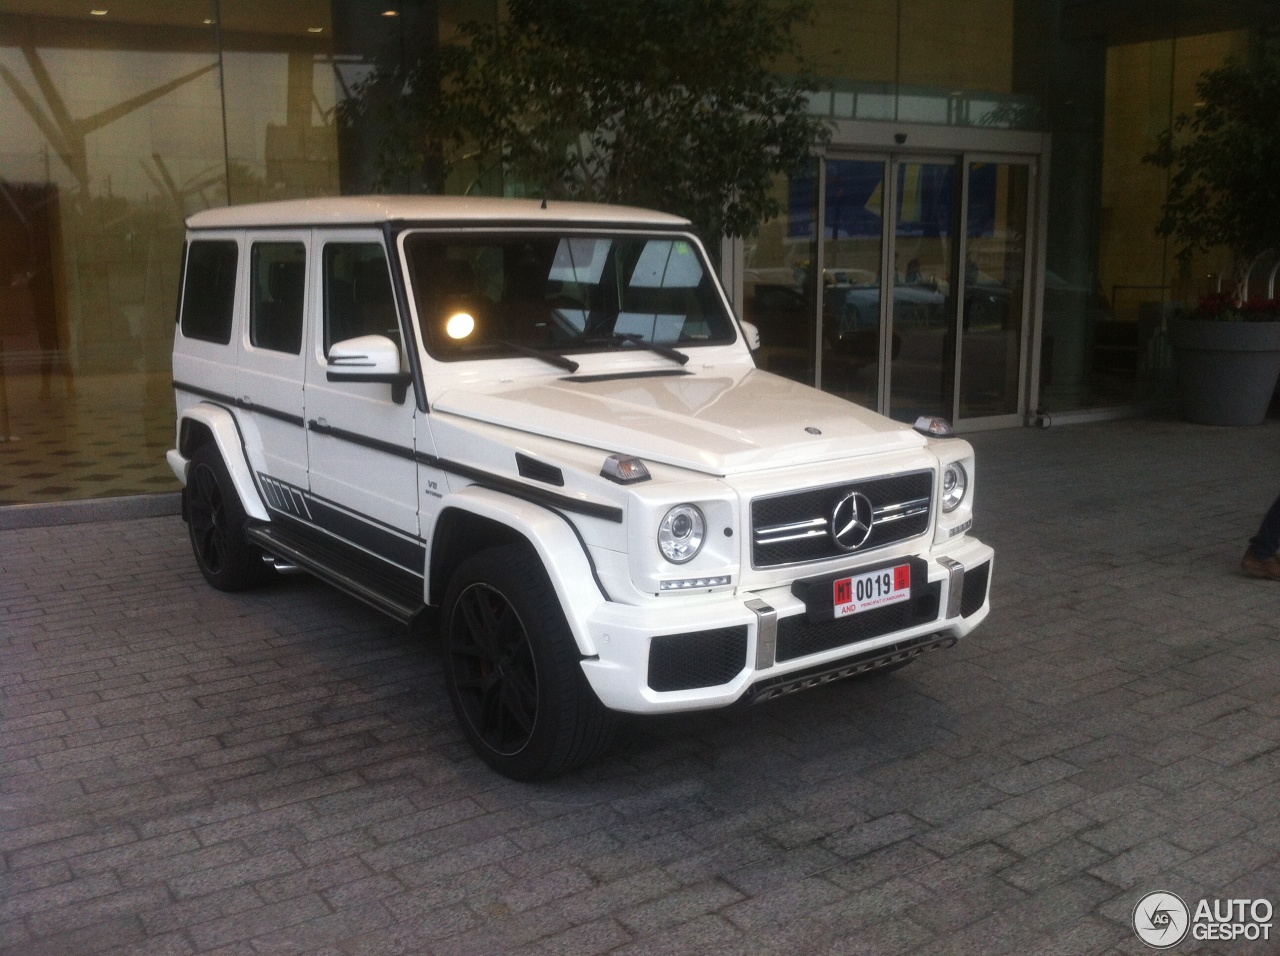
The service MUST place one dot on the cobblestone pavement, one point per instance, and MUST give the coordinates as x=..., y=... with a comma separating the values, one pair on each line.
x=183, y=771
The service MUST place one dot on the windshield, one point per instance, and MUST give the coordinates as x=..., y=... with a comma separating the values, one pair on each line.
x=481, y=296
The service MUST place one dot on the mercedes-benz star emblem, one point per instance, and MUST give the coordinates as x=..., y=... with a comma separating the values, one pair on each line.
x=851, y=521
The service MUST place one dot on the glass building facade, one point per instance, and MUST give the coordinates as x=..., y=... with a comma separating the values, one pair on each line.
x=977, y=239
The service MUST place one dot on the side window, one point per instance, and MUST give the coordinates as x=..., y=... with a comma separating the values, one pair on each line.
x=278, y=271
x=357, y=293
x=209, y=291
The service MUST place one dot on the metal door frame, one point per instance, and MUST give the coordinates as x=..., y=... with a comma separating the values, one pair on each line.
x=892, y=144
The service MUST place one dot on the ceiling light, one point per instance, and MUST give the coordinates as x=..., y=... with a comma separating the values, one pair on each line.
x=208, y=21
x=315, y=29
x=97, y=13
x=460, y=326
x=391, y=13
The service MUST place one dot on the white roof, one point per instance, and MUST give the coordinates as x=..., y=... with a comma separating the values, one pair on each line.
x=364, y=210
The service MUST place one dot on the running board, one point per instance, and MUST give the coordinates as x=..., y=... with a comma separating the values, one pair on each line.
x=397, y=594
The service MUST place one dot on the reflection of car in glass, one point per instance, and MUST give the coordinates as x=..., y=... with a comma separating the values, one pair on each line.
x=540, y=433
x=986, y=305
x=853, y=301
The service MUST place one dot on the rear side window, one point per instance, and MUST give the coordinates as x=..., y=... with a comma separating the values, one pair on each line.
x=275, y=311
x=208, y=294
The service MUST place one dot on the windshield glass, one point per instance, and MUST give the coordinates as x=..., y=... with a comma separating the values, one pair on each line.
x=476, y=295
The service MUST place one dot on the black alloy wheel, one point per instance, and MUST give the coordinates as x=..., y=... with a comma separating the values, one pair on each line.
x=207, y=516
x=494, y=670
x=513, y=669
x=216, y=521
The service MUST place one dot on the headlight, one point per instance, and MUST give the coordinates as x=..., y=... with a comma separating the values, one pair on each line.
x=681, y=533
x=954, y=485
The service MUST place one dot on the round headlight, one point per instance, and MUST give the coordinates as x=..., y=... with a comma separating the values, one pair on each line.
x=954, y=485
x=681, y=533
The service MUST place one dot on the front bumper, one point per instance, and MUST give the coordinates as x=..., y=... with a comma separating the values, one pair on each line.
x=761, y=644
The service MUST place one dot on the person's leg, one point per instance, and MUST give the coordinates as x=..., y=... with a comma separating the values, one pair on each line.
x=1261, y=560
x=1266, y=542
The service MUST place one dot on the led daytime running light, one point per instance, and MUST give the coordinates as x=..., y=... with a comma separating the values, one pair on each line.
x=690, y=584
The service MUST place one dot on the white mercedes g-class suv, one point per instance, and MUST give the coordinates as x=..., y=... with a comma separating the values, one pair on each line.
x=538, y=428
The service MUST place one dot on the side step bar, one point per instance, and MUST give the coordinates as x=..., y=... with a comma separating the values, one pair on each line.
x=397, y=594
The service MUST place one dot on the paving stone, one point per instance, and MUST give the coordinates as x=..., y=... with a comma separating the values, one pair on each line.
x=188, y=772
x=1052, y=865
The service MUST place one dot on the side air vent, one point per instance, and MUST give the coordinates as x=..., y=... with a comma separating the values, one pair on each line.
x=975, y=589
x=539, y=471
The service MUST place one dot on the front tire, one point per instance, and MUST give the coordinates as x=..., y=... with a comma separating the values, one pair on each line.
x=512, y=669
x=216, y=521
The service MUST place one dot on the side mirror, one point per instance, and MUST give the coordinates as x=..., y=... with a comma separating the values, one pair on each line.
x=753, y=335
x=369, y=358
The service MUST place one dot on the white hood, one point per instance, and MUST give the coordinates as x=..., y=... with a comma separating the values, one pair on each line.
x=717, y=421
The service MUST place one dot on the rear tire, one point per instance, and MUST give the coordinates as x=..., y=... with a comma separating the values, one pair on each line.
x=513, y=669
x=216, y=521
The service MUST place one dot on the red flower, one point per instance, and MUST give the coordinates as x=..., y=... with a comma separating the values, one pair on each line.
x=1261, y=309
x=1216, y=303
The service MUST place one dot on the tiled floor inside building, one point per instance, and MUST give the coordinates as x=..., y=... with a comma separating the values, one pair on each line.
x=92, y=436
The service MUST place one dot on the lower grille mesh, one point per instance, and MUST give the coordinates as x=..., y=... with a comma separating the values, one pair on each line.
x=975, y=589
x=699, y=659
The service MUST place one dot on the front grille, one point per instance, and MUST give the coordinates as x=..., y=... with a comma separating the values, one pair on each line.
x=796, y=528
x=975, y=589
x=697, y=659
x=798, y=637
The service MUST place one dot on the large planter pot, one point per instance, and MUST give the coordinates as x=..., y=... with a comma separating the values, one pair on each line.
x=1226, y=370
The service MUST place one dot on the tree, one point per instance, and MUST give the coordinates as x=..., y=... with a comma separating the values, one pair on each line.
x=662, y=103
x=1225, y=157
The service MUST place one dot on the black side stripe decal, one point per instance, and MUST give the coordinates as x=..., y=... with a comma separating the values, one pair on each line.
x=517, y=489
x=241, y=403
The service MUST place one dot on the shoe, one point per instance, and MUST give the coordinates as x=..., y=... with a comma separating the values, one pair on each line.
x=1256, y=567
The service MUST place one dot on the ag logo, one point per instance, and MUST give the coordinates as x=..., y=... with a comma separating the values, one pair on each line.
x=1161, y=920
x=851, y=521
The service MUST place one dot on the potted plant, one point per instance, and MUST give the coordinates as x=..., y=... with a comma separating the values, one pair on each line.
x=1224, y=192
x=1228, y=355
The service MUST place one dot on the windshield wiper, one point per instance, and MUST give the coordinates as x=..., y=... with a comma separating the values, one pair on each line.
x=551, y=358
x=639, y=341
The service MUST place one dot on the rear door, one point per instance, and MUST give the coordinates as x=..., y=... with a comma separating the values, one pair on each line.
x=269, y=376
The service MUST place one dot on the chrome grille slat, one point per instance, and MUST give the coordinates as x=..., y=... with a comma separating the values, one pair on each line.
x=918, y=504
x=885, y=519
x=816, y=533
x=793, y=528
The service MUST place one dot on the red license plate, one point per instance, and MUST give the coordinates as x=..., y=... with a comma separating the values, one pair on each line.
x=873, y=589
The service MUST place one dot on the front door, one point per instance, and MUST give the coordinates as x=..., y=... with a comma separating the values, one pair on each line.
x=925, y=293
x=364, y=479
x=902, y=281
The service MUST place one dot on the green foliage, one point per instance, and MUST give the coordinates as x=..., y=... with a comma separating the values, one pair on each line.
x=668, y=104
x=1225, y=158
